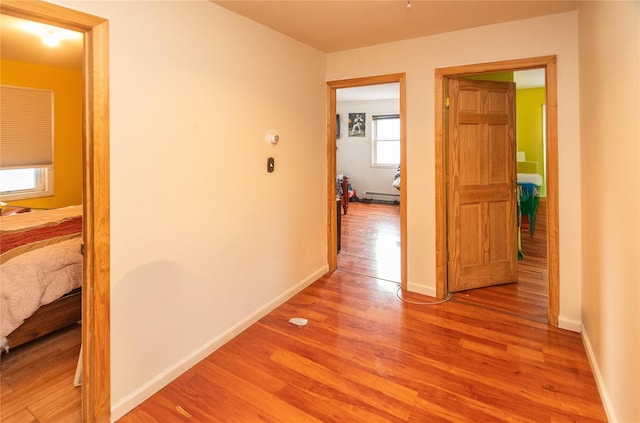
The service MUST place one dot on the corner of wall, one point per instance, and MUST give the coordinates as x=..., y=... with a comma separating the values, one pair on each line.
x=568, y=324
x=606, y=402
x=421, y=289
x=138, y=396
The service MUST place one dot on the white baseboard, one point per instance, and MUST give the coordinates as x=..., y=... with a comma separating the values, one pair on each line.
x=572, y=325
x=138, y=396
x=421, y=289
x=606, y=402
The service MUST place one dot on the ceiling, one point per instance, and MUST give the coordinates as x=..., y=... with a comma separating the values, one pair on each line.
x=327, y=25
x=331, y=25
x=22, y=45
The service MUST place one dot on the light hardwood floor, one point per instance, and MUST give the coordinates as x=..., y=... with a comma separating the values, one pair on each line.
x=370, y=245
x=529, y=297
x=36, y=380
x=365, y=356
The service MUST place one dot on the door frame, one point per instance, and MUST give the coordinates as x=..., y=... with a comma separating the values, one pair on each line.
x=332, y=86
x=96, y=387
x=549, y=64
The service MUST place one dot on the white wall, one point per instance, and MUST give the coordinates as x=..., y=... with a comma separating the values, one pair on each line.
x=610, y=128
x=353, y=157
x=419, y=57
x=204, y=240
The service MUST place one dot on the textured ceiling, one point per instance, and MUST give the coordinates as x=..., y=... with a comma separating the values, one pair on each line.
x=327, y=25
x=24, y=46
x=331, y=26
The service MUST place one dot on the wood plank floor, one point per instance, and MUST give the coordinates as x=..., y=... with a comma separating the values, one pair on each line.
x=370, y=241
x=36, y=380
x=370, y=245
x=366, y=356
x=529, y=297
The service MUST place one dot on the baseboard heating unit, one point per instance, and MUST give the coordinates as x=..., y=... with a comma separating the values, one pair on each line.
x=380, y=197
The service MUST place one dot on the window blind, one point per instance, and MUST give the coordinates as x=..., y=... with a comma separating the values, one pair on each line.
x=26, y=127
x=377, y=117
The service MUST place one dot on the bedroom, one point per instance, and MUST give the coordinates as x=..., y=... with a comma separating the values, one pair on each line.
x=41, y=215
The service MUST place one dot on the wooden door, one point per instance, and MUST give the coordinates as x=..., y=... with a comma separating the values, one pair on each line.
x=481, y=193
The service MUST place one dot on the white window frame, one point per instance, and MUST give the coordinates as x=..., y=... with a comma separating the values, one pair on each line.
x=375, y=141
x=43, y=188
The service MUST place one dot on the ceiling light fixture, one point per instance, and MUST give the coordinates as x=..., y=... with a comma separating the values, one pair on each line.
x=50, y=35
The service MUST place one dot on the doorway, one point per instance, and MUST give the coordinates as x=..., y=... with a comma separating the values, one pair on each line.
x=96, y=388
x=367, y=162
x=332, y=212
x=548, y=63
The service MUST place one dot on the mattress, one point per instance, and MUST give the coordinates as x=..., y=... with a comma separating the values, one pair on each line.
x=530, y=178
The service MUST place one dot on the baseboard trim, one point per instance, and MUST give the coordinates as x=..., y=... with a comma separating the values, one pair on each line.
x=572, y=325
x=421, y=289
x=602, y=389
x=138, y=396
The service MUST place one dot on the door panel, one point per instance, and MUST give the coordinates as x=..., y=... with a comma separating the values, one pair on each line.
x=482, y=225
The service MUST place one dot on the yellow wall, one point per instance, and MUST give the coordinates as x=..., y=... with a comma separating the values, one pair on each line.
x=529, y=127
x=67, y=87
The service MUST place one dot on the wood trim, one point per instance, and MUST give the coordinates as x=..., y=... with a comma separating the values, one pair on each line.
x=332, y=217
x=332, y=86
x=553, y=214
x=96, y=389
x=553, y=244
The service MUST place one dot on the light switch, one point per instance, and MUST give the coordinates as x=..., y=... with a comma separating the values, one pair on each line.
x=271, y=164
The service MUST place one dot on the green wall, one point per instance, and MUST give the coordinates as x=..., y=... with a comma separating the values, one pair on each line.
x=529, y=134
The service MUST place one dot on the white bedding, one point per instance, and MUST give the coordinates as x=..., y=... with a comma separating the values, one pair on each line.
x=36, y=278
x=530, y=178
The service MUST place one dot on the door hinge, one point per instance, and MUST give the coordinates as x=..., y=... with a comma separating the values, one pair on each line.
x=447, y=102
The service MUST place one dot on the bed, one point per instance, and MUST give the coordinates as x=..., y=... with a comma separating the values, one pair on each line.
x=41, y=273
x=528, y=200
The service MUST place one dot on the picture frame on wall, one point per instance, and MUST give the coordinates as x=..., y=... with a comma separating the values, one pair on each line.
x=357, y=124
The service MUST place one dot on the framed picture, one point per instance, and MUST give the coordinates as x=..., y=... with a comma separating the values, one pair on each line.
x=337, y=126
x=357, y=124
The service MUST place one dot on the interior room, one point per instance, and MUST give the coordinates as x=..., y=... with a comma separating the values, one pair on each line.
x=202, y=237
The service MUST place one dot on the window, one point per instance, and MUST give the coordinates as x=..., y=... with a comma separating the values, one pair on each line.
x=386, y=140
x=20, y=184
x=26, y=143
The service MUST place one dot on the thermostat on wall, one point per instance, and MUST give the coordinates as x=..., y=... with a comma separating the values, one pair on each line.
x=272, y=137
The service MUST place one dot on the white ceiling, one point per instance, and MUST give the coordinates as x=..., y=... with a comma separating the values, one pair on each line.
x=23, y=46
x=369, y=93
x=328, y=25
x=331, y=25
